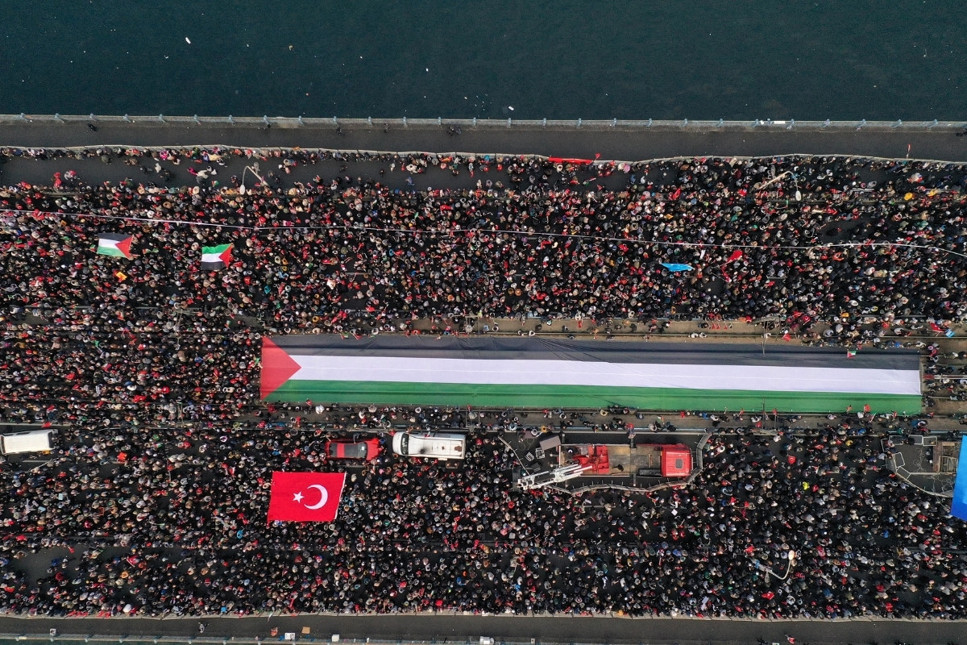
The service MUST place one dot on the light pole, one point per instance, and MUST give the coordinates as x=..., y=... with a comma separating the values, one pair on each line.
x=254, y=169
x=791, y=557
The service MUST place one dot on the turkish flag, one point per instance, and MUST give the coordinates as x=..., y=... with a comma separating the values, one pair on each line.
x=305, y=497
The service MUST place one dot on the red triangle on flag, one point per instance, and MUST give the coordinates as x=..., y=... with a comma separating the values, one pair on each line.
x=277, y=367
x=226, y=255
x=124, y=246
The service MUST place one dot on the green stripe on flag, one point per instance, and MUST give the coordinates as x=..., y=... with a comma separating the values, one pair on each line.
x=110, y=250
x=578, y=396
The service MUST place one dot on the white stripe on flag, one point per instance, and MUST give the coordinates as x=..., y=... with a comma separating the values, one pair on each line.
x=558, y=372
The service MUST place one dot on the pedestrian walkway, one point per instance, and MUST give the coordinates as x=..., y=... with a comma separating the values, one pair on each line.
x=637, y=142
x=458, y=628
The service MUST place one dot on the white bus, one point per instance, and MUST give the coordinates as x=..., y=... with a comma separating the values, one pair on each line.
x=36, y=441
x=432, y=445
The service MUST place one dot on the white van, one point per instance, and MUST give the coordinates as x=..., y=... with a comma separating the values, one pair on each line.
x=14, y=444
x=432, y=445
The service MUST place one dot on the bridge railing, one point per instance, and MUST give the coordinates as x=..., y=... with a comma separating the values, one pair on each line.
x=338, y=123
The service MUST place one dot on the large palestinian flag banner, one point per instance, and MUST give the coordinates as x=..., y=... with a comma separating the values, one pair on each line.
x=538, y=373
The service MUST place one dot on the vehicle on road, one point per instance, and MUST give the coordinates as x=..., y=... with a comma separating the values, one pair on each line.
x=672, y=461
x=432, y=445
x=367, y=449
x=21, y=442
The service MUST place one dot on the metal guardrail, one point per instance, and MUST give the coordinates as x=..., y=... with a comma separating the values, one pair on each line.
x=337, y=123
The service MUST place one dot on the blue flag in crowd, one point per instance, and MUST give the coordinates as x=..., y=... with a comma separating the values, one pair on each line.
x=959, y=506
x=676, y=267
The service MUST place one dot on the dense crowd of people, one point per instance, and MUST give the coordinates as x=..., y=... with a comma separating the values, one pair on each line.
x=864, y=245
x=551, y=242
x=173, y=521
x=154, y=501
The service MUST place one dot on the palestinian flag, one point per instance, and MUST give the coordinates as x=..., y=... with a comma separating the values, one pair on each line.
x=115, y=244
x=216, y=257
x=543, y=373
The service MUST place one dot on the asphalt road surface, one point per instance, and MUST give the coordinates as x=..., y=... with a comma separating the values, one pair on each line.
x=461, y=628
x=611, y=143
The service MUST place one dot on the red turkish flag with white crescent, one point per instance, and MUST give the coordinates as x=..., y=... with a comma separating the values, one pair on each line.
x=305, y=497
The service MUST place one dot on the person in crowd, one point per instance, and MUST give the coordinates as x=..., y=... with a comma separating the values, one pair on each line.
x=154, y=502
x=172, y=521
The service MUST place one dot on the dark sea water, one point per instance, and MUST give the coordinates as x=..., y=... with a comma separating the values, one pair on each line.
x=843, y=59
